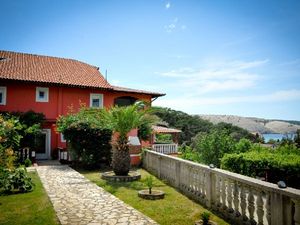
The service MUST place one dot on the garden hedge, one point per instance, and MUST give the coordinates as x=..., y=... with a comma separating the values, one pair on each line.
x=274, y=166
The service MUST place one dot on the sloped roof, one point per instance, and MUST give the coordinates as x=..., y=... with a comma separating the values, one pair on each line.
x=46, y=69
x=166, y=130
x=130, y=90
x=57, y=71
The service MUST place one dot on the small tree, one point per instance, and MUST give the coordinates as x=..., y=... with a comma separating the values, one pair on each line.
x=123, y=120
x=149, y=182
x=213, y=146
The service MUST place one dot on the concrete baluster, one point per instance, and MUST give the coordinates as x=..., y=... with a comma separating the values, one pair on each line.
x=297, y=212
x=236, y=199
x=243, y=202
x=223, y=194
x=268, y=208
x=251, y=206
x=217, y=202
x=260, y=208
x=229, y=196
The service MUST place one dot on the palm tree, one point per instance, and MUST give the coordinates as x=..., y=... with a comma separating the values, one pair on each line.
x=122, y=121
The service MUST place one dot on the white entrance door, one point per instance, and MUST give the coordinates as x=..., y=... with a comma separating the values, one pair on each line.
x=43, y=145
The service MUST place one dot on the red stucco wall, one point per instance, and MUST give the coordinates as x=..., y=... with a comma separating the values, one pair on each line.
x=22, y=97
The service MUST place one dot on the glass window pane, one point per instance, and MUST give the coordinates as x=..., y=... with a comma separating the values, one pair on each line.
x=1, y=97
x=96, y=102
x=41, y=94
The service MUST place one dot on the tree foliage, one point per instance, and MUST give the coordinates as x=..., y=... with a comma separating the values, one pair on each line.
x=12, y=179
x=212, y=146
x=123, y=120
x=188, y=124
x=282, y=163
x=191, y=125
x=88, y=137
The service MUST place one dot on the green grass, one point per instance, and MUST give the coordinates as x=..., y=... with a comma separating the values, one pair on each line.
x=175, y=208
x=28, y=208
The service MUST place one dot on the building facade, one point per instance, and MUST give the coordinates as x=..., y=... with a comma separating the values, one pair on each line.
x=57, y=86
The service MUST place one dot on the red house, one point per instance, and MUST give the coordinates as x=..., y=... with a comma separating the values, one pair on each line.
x=53, y=85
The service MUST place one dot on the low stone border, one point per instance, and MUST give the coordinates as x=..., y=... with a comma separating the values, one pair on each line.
x=110, y=176
x=155, y=194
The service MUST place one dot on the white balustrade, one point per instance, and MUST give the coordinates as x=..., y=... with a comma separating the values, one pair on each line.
x=241, y=199
x=165, y=148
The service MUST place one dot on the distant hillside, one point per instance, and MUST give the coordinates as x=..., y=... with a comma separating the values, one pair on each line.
x=253, y=124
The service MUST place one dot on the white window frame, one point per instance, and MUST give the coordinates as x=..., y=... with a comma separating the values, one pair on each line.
x=3, y=91
x=96, y=96
x=62, y=138
x=37, y=96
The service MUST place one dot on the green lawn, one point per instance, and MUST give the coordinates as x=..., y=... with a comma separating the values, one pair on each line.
x=29, y=208
x=175, y=209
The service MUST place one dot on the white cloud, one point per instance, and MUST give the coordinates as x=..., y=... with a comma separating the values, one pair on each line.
x=189, y=103
x=168, y=5
x=225, y=76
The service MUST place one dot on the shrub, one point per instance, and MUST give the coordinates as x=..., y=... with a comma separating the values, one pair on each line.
x=243, y=145
x=163, y=138
x=205, y=217
x=149, y=182
x=15, y=181
x=189, y=154
x=280, y=164
x=27, y=162
x=88, y=137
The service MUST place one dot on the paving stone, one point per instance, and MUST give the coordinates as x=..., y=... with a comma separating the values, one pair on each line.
x=76, y=200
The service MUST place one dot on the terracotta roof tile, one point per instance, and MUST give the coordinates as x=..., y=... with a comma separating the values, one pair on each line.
x=58, y=71
x=159, y=129
x=130, y=90
x=46, y=69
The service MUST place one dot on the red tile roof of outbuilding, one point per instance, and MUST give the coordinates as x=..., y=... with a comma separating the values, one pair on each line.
x=57, y=71
x=130, y=90
x=166, y=130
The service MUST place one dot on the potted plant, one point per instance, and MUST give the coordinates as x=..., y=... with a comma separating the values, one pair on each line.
x=149, y=193
x=205, y=219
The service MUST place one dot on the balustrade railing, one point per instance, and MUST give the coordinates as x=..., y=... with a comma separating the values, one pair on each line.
x=237, y=198
x=165, y=148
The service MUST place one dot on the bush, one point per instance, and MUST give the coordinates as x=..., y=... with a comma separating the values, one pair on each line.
x=88, y=137
x=243, y=145
x=15, y=181
x=27, y=162
x=189, y=154
x=205, y=217
x=280, y=164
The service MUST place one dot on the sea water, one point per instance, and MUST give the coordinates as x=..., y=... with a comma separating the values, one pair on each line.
x=276, y=137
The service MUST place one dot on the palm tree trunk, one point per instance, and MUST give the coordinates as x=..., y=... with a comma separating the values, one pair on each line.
x=121, y=157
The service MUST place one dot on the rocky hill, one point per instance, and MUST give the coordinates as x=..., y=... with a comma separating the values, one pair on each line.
x=254, y=125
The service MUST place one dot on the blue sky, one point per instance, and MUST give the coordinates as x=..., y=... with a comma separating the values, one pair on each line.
x=209, y=57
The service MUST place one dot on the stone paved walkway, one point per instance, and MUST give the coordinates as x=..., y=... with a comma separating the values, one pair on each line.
x=76, y=200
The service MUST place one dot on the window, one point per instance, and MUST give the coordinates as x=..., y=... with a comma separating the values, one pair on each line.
x=42, y=94
x=62, y=138
x=96, y=100
x=124, y=101
x=2, y=95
